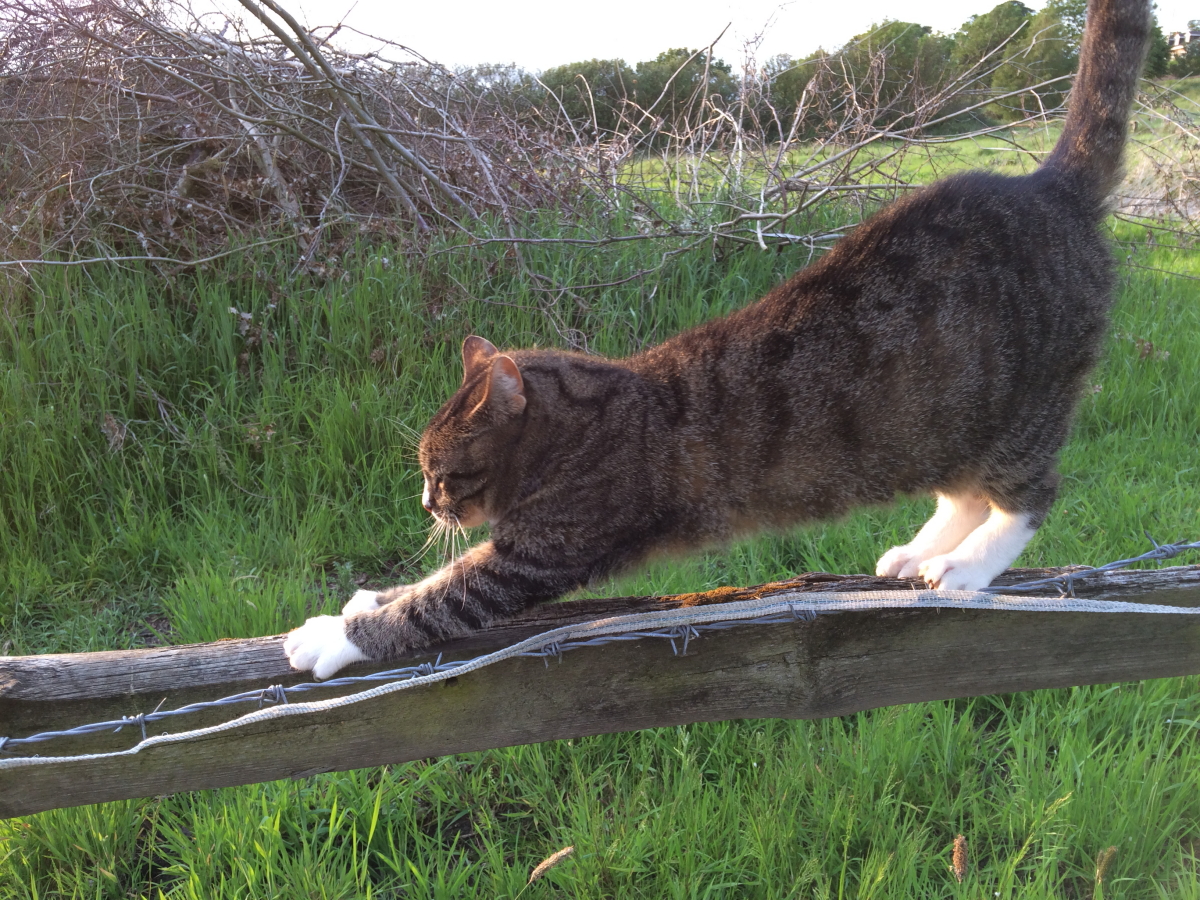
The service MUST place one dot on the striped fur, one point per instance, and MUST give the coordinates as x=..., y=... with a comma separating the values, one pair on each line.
x=941, y=347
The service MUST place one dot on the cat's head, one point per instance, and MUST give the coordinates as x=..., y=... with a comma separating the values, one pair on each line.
x=465, y=445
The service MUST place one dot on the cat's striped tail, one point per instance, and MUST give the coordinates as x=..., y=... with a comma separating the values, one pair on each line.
x=1115, y=39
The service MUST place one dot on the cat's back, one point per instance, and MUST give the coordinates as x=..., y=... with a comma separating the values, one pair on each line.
x=974, y=265
x=969, y=247
x=926, y=337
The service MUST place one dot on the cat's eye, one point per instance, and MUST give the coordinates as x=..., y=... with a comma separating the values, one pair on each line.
x=448, y=478
x=459, y=476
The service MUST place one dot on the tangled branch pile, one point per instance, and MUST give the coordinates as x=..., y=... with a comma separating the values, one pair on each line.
x=137, y=127
x=137, y=124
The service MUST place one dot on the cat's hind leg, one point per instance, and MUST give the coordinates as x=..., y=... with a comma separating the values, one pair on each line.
x=957, y=516
x=986, y=552
x=1018, y=508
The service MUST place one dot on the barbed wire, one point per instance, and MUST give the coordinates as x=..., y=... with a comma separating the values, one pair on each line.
x=805, y=608
x=1066, y=582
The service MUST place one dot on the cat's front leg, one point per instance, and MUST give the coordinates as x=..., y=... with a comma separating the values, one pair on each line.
x=362, y=601
x=321, y=644
x=477, y=589
x=324, y=644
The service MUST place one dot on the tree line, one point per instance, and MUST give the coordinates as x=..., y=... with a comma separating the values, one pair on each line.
x=1010, y=50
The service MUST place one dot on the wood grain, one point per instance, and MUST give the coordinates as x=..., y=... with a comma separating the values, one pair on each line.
x=841, y=663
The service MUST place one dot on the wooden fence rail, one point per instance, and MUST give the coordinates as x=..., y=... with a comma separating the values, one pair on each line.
x=840, y=663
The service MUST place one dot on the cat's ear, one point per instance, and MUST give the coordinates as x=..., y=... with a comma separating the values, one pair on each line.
x=505, y=388
x=476, y=352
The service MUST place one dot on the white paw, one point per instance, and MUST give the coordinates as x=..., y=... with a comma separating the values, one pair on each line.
x=893, y=563
x=362, y=601
x=321, y=644
x=948, y=573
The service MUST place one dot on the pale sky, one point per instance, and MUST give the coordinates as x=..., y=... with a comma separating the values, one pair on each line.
x=538, y=34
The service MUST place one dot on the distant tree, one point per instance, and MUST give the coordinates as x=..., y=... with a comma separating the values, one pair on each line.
x=784, y=81
x=601, y=85
x=1049, y=49
x=1071, y=16
x=982, y=34
x=507, y=84
x=889, y=69
x=1158, y=58
x=501, y=77
x=894, y=63
x=678, y=77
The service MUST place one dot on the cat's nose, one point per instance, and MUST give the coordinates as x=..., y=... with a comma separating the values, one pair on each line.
x=427, y=498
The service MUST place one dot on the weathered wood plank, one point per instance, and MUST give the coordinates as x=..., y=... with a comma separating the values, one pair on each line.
x=54, y=692
x=838, y=664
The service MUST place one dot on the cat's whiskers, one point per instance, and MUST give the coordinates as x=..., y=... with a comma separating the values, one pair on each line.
x=460, y=535
x=445, y=541
x=446, y=546
x=452, y=540
x=444, y=531
x=451, y=530
x=403, y=427
x=458, y=539
x=433, y=537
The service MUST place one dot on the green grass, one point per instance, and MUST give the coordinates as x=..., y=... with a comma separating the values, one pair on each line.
x=1160, y=148
x=262, y=475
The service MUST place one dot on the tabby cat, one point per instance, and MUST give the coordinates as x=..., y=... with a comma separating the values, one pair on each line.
x=941, y=347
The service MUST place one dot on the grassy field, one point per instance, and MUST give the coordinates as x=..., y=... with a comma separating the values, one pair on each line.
x=1161, y=156
x=222, y=453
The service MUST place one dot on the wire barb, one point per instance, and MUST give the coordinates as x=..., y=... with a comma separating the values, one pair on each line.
x=554, y=648
x=276, y=694
x=800, y=614
x=139, y=719
x=683, y=632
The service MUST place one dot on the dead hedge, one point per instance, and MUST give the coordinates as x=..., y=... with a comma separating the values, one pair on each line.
x=140, y=128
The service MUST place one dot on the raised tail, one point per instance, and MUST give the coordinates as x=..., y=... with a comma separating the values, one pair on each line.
x=1089, y=152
